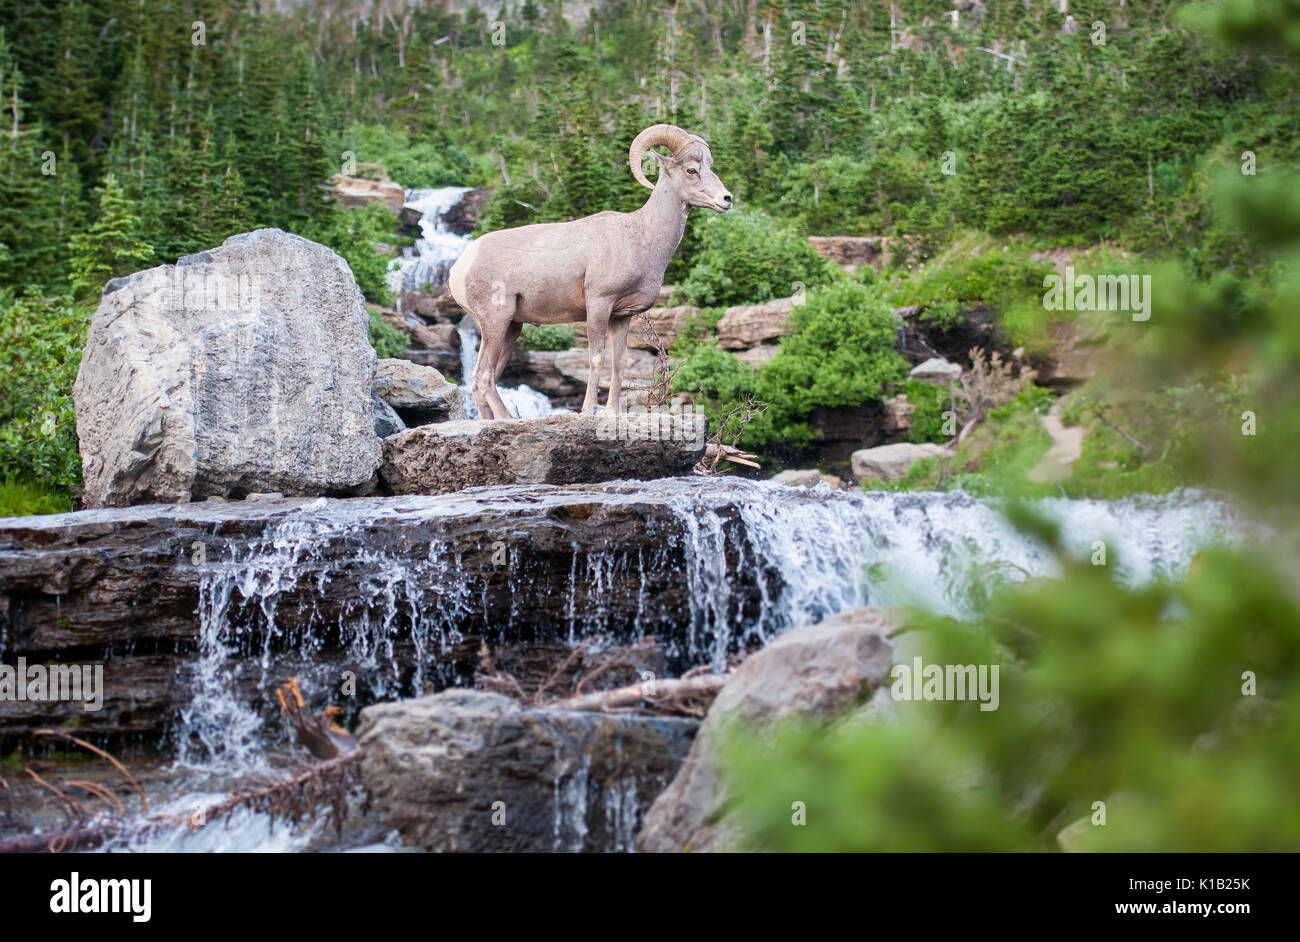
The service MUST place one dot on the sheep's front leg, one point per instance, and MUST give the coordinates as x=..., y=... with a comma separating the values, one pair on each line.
x=618, y=328
x=597, y=324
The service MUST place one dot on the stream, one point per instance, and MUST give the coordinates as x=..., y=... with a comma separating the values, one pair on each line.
x=389, y=587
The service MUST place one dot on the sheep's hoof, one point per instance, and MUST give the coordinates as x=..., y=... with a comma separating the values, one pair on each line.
x=594, y=410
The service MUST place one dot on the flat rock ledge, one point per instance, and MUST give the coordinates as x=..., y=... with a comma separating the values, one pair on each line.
x=557, y=449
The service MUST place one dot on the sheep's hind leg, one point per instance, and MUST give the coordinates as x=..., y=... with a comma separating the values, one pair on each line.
x=494, y=339
x=503, y=358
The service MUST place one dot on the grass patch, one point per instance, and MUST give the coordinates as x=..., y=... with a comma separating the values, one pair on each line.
x=25, y=498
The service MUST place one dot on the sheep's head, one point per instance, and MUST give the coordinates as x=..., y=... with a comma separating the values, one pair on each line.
x=689, y=171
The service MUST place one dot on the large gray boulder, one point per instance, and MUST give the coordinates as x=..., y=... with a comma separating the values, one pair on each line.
x=559, y=449
x=813, y=671
x=467, y=770
x=891, y=462
x=420, y=394
x=246, y=368
x=936, y=371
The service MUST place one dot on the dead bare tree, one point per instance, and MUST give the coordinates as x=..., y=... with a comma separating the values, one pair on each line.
x=990, y=382
x=665, y=371
x=687, y=696
x=722, y=444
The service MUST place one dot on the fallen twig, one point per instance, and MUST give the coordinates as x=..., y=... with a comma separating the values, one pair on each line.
x=665, y=695
x=79, y=839
x=97, y=790
x=573, y=657
x=72, y=805
x=101, y=753
x=288, y=798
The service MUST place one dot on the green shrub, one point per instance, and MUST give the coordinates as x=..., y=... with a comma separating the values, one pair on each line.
x=388, y=341
x=699, y=328
x=746, y=257
x=40, y=352
x=996, y=278
x=1128, y=696
x=928, y=405
x=715, y=377
x=545, y=337
x=352, y=233
x=838, y=351
x=413, y=164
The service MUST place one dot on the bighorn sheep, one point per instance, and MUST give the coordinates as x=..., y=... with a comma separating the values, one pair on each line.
x=604, y=269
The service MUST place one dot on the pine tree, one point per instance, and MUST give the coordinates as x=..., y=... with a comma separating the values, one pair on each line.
x=29, y=199
x=111, y=246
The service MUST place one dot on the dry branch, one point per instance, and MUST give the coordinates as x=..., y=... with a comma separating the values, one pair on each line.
x=102, y=754
x=680, y=695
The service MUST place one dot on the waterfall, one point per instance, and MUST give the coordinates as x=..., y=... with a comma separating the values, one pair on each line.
x=427, y=264
x=377, y=586
x=436, y=249
x=749, y=560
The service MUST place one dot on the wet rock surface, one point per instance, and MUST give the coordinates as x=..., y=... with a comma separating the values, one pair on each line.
x=198, y=611
x=398, y=590
x=474, y=771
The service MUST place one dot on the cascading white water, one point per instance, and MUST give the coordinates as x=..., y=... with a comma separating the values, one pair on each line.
x=436, y=249
x=427, y=264
x=810, y=553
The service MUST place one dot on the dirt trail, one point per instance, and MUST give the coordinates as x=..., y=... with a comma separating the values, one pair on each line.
x=1067, y=447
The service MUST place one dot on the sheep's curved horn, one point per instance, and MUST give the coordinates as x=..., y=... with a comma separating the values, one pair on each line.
x=670, y=136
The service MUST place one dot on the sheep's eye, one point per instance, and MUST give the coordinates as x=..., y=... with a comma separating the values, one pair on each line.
x=691, y=170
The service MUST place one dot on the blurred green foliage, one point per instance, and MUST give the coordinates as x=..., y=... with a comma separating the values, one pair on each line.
x=1131, y=697
x=21, y=499
x=1177, y=705
x=545, y=337
x=40, y=351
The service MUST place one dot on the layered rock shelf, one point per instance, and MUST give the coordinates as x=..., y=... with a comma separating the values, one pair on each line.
x=558, y=449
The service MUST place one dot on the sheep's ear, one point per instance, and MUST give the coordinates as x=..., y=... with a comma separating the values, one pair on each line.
x=663, y=161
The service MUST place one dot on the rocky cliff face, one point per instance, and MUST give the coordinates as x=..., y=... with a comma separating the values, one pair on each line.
x=243, y=369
